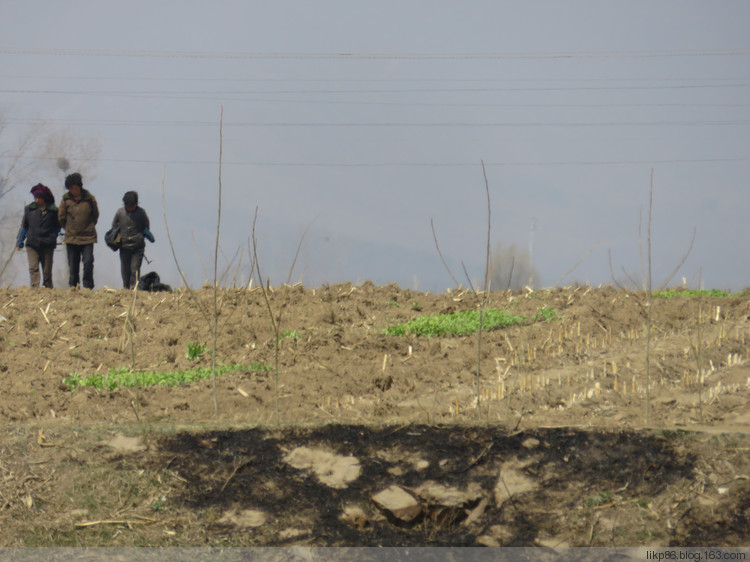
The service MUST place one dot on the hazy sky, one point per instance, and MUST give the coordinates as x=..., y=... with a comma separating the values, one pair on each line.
x=361, y=121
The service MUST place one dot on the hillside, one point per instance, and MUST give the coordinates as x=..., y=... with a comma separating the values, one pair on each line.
x=559, y=454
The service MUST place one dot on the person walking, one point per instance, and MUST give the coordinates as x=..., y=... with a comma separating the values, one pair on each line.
x=39, y=228
x=134, y=226
x=79, y=214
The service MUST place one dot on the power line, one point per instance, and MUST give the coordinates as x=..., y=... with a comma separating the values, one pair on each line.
x=365, y=56
x=187, y=93
x=540, y=163
x=328, y=80
x=386, y=125
x=671, y=105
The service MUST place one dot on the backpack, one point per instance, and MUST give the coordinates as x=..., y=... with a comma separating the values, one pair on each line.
x=113, y=238
x=151, y=283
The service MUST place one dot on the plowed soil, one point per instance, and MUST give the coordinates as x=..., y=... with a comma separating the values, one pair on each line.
x=535, y=434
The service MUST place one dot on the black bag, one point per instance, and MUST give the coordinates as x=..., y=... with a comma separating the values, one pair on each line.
x=113, y=238
x=151, y=282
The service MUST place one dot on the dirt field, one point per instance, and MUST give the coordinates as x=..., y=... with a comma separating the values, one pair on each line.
x=371, y=439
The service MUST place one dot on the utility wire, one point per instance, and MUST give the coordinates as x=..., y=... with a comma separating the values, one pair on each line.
x=367, y=56
x=182, y=92
x=292, y=164
x=389, y=125
x=329, y=80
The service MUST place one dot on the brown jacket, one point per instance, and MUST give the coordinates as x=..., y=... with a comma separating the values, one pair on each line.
x=79, y=218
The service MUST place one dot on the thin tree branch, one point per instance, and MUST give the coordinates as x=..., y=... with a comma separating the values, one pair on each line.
x=489, y=222
x=579, y=262
x=437, y=246
x=466, y=273
x=680, y=264
x=189, y=289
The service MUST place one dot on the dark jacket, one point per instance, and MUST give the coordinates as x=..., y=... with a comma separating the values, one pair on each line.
x=42, y=226
x=132, y=226
x=79, y=218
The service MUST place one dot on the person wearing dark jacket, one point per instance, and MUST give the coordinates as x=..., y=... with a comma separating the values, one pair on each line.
x=39, y=228
x=79, y=214
x=134, y=226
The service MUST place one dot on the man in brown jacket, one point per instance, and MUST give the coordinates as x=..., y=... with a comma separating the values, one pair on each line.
x=78, y=215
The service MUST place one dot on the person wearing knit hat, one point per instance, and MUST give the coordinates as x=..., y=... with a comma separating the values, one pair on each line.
x=79, y=213
x=39, y=229
x=43, y=192
x=134, y=226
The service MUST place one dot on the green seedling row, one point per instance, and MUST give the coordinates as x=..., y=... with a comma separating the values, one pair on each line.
x=693, y=293
x=466, y=322
x=124, y=377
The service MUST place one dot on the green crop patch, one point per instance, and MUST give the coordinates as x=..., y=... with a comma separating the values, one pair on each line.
x=693, y=293
x=195, y=351
x=124, y=377
x=465, y=322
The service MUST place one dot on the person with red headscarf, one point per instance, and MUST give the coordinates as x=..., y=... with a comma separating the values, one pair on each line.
x=39, y=229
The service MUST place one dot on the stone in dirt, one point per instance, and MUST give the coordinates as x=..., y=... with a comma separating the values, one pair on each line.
x=496, y=535
x=243, y=518
x=511, y=481
x=335, y=471
x=354, y=516
x=126, y=444
x=399, y=503
x=439, y=494
x=476, y=514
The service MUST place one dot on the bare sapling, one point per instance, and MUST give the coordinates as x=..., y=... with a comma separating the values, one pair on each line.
x=486, y=288
x=633, y=282
x=437, y=247
x=650, y=301
x=575, y=265
x=698, y=354
x=188, y=288
x=129, y=330
x=697, y=349
x=7, y=262
x=644, y=281
x=510, y=274
x=274, y=318
x=647, y=284
x=216, y=308
x=231, y=268
x=210, y=314
x=483, y=296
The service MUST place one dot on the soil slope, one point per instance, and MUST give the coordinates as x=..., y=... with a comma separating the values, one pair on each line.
x=364, y=438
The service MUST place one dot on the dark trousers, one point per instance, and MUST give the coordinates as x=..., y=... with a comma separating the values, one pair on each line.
x=130, y=266
x=76, y=253
x=43, y=257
